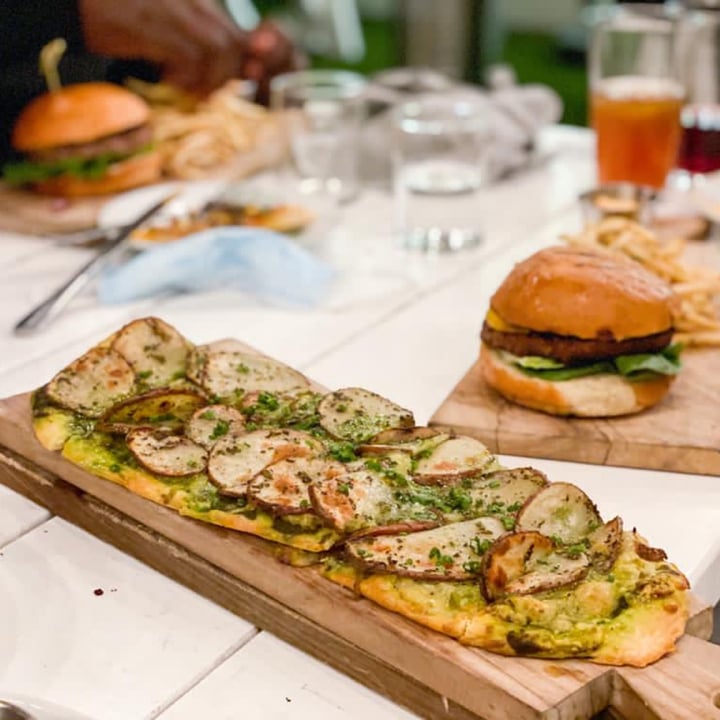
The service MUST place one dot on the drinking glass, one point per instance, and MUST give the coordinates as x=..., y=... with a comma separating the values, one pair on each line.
x=700, y=117
x=439, y=163
x=635, y=95
x=323, y=111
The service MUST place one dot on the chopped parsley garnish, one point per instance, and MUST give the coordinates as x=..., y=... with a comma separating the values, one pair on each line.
x=342, y=451
x=268, y=401
x=576, y=549
x=344, y=488
x=495, y=508
x=374, y=465
x=472, y=566
x=441, y=561
x=480, y=546
x=222, y=427
x=208, y=415
x=458, y=500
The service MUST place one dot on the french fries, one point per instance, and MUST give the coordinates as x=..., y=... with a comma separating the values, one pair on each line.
x=195, y=138
x=697, y=318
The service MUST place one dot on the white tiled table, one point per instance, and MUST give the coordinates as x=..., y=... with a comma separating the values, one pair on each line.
x=148, y=648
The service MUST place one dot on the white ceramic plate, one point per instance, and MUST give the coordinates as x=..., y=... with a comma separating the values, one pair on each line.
x=191, y=196
x=124, y=208
x=42, y=710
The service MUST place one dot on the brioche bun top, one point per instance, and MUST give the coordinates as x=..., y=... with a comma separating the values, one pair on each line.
x=77, y=114
x=586, y=294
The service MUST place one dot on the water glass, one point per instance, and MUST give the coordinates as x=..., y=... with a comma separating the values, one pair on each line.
x=323, y=111
x=439, y=163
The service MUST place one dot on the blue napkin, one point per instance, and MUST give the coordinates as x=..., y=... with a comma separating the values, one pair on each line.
x=263, y=263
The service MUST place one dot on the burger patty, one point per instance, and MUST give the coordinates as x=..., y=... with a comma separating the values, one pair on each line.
x=568, y=350
x=124, y=143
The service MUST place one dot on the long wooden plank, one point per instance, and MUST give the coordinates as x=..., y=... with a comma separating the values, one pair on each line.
x=193, y=571
x=352, y=631
x=680, y=434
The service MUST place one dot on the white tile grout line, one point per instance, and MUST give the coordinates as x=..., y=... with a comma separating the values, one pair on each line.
x=28, y=529
x=201, y=676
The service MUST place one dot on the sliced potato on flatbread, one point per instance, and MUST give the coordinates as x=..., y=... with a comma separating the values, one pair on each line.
x=604, y=545
x=233, y=374
x=523, y=563
x=450, y=552
x=161, y=409
x=156, y=351
x=505, y=491
x=362, y=500
x=560, y=510
x=356, y=414
x=284, y=486
x=455, y=458
x=236, y=460
x=93, y=383
x=210, y=423
x=170, y=455
x=412, y=440
x=199, y=354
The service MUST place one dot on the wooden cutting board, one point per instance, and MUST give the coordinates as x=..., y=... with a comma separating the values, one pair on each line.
x=682, y=433
x=431, y=674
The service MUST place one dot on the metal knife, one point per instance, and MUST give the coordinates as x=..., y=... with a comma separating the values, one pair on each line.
x=56, y=303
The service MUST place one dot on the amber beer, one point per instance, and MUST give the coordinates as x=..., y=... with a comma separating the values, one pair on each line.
x=637, y=122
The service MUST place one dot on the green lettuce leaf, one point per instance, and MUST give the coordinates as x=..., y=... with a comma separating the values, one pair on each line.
x=634, y=367
x=536, y=362
x=567, y=372
x=25, y=172
x=666, y=362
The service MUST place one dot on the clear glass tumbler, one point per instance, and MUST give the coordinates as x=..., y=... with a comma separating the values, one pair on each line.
x=323, y=111
x=439, y=163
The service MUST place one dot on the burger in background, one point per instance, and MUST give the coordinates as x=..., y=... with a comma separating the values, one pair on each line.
x=573, y=331
x=86, y=139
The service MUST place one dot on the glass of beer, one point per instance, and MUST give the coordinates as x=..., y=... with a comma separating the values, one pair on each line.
x=635, y=95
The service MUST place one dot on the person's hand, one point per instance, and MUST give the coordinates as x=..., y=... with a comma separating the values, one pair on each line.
x=194, y=43
x=269, y=53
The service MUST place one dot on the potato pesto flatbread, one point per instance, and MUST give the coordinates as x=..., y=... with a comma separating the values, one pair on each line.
x=419, y=520
x=107, y=455
x=630, y=617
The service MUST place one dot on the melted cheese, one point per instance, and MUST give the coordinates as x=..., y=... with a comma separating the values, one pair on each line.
x=497, y=323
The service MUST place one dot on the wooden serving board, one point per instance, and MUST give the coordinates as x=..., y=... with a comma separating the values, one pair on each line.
x=682, y=433
x=431, y=674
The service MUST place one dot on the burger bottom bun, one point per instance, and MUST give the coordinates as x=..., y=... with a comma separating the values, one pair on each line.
x=603, y=395
x=136, y=170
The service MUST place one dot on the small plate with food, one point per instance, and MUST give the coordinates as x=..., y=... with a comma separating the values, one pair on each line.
x=201, y=205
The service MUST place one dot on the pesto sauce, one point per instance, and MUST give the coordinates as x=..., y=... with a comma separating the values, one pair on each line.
x=203, y=497
x=297, y=412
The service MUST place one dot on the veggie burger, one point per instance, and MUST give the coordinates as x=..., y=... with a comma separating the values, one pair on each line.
x=85, y=139
x=573, y=331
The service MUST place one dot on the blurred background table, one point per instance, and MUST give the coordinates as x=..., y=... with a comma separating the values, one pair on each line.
x=89, y=628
